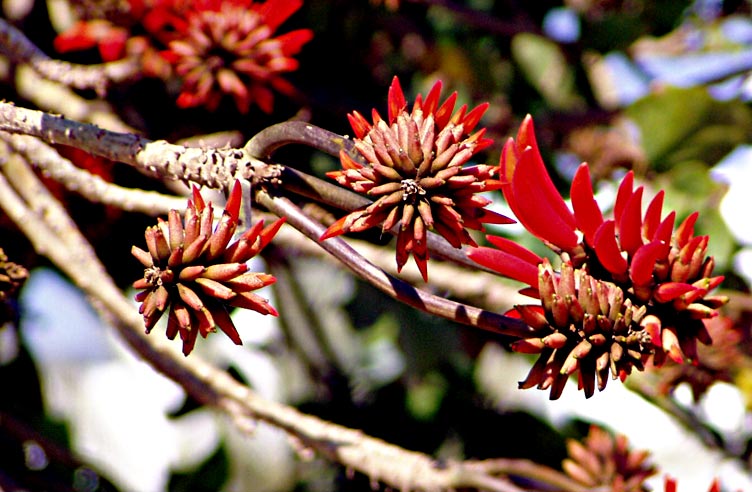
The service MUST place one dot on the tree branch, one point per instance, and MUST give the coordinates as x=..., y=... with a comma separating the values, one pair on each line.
x=16, y=46
x=393, y=287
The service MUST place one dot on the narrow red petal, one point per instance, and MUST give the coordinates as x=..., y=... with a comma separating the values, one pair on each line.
x=665, y=229
x=526, y=134
x=668, y=291
x=198, y=200
x=335, y=229
x=396, y=100
x=643, y=262
x=623, y=195
x=586, y=210
x=653, y=216
x=630, y=223
x=232, y=207
x=515, y=249
x=444, y=113
x=431, y=104
x=491, y=217
x=686, y=230
x=275, y=12
x=541, y=213
x=359, y=124
x=505, y=264
x=607, y=249
x=474, y=116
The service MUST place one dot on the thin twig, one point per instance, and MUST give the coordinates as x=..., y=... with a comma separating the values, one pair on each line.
x=16, y=46
x=90, y=186
x=393, y=287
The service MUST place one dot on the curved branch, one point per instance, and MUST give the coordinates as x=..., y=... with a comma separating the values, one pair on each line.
x=393, y=287
x=16, y=46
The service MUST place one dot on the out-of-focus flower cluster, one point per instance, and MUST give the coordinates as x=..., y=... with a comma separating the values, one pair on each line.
x=604, y=460
x=415, y=171
x=628, y=289
x=196, y=274
x=213, y=47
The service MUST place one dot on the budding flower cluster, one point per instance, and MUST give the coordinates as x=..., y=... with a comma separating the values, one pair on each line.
x=197, y=274
x=582, y=324
x=415, y=172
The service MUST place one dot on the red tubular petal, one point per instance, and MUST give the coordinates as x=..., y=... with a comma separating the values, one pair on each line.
x=624, y=194
x=359, y=124
x=444, y=113
x=668, y=291
x=507, y=165
x=586, y=210
x=474, y=116
x=630, y=224
x=515, y=249
x=641, y=268
x=526, y=134
x=232, y=207
x=686, y=230
x=491, y=217
x=653, y=216
x=198, y=200
x=275, y=12
x=292, y=42
x=505, y=264
x=335, y=229
x=543, y=212
x=665, y=230
x=431, y=103
x=396, y=100
x=607, y=249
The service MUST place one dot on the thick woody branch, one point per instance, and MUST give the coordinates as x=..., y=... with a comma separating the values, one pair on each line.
x=16, y=46
x=392, y=286
x=215, y=168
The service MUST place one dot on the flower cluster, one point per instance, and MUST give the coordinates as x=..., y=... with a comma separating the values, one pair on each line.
x=196, y=274
x=653, y=279
x=606, y=460
x=415, y=171
x=214, y=47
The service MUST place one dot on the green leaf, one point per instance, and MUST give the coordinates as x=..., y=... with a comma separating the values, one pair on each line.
x=546, y=69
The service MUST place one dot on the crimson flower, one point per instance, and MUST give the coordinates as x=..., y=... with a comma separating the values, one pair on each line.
x=415, y=171
x=638, y=266
x=196, y=273
x=229, y=47
x=214, y=47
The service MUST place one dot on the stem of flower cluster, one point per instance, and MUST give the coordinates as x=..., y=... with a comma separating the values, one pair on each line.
x=392, y=286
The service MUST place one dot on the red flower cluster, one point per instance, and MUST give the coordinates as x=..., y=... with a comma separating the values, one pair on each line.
x=215, y=47
x=650, y=281
x=197, y=275
x=415, y=170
